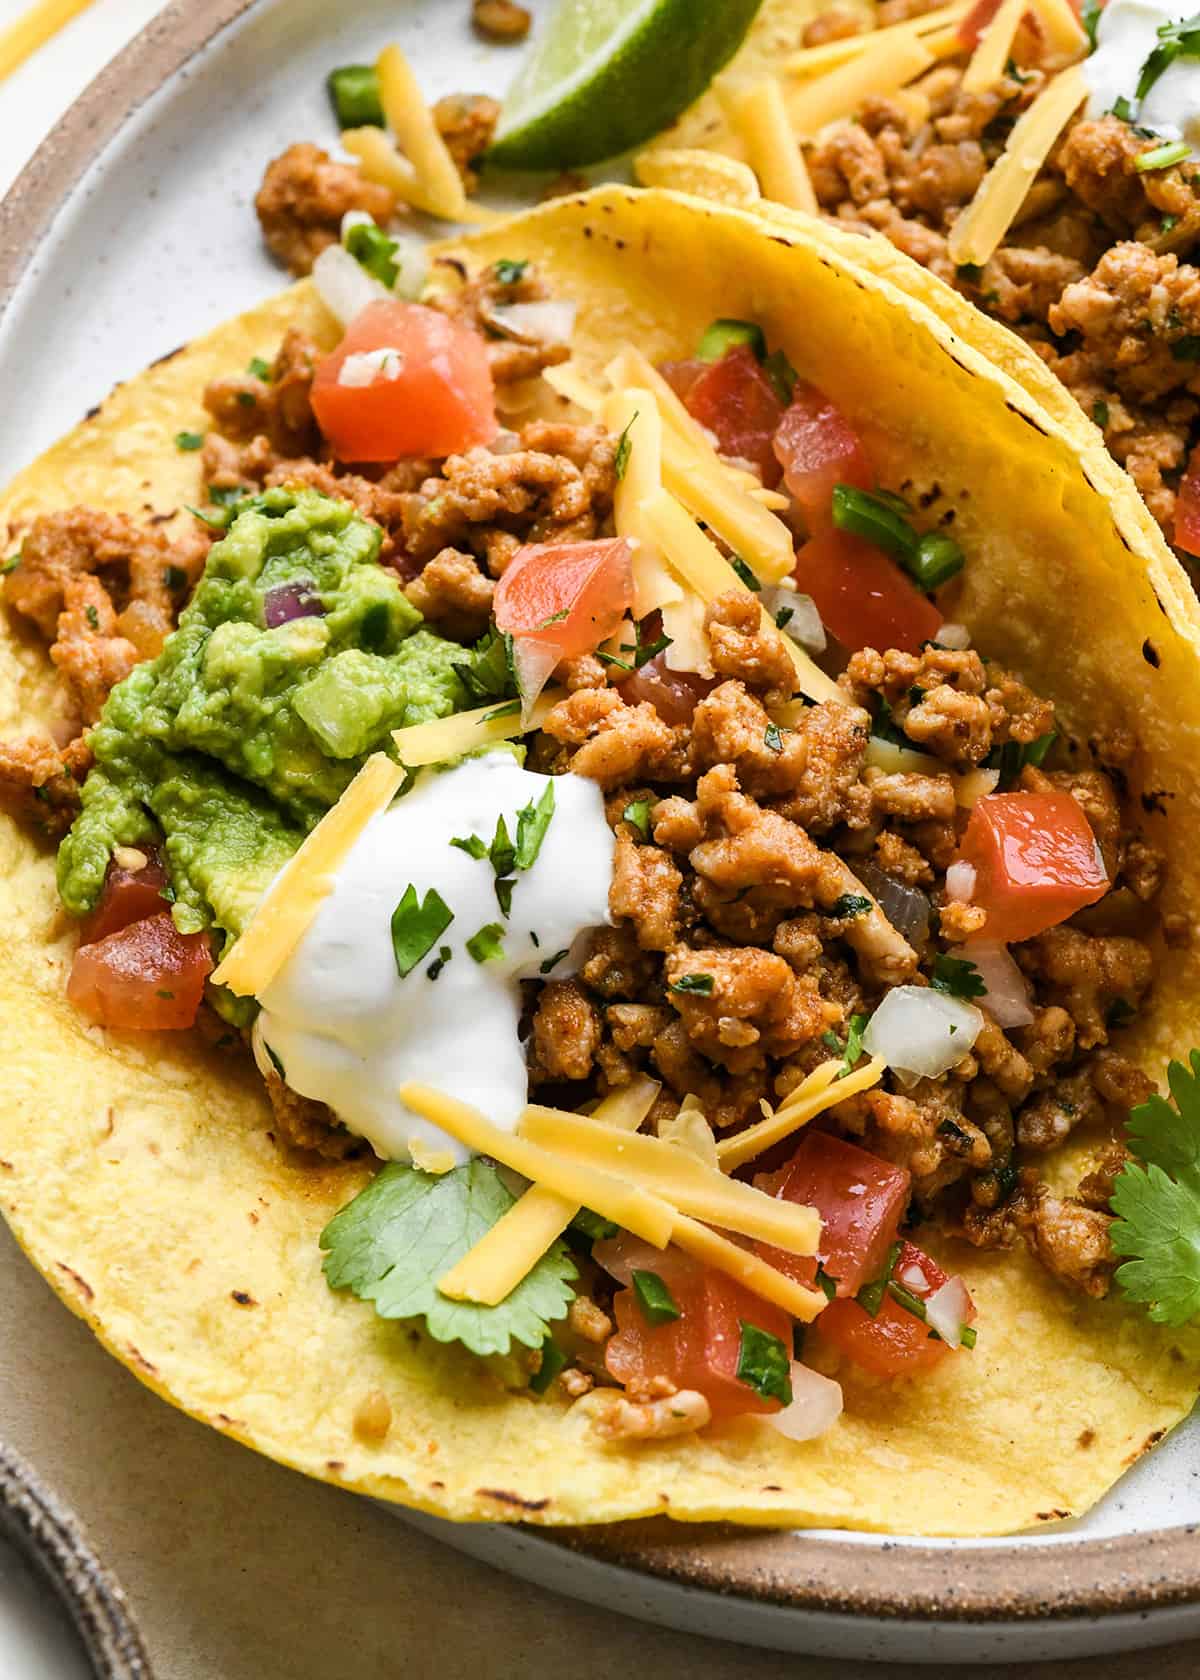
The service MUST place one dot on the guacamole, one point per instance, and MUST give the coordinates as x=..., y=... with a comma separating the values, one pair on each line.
x=250, y=723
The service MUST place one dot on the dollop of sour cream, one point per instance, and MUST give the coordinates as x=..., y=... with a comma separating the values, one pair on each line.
x=348, y=1030
x=1126, y=35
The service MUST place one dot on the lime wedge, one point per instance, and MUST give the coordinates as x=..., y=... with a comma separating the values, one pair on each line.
x=607, y=74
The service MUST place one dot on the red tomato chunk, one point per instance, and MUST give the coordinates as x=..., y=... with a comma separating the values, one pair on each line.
x=129, y=895
x=440, y=401
x=701, y=1348
x=818, y=449
x=568, y=597
x=861, y=1200
x=863, y=597
x=1036, y=862
x=895, y=1342
x=736, y=401
x=146, y=975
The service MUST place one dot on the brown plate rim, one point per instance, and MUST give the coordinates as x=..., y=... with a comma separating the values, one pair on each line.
x=1085, y=1578
x=46, y=1533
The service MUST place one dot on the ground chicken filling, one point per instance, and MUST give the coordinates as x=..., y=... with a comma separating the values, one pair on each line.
x=1091, y=274
x=735, y=844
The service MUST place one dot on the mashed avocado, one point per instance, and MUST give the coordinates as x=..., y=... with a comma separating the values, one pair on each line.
x=231, y=744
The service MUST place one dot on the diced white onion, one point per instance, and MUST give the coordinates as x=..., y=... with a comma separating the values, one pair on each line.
x=955, y=636
x=804, y=626
x=365, y=367
x=947, y=1310
x=960, y=882
x=816, y=1405
x=412, y=256
x=973, y=785
x=921, y=1033
x=353, y=219
x=549, y=321
x=912, y=1277
x=534, y=664
x=1007, y=995
x=344, y=284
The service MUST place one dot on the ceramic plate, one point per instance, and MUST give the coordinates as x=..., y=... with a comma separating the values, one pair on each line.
x=133, y=229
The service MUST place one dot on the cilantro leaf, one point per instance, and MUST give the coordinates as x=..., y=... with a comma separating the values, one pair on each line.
x=487, y=675
x=637, y=815
x=417, y=927
x=1158, y=1203
x=957, y=977
x=624, y=446
x=763, y=1364
x=532, y=823
x=488, y=944
x=852, y=1049
x=700, y=984
x=408, y=1228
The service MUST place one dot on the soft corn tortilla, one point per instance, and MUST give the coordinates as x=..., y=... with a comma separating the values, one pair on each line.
x=139, y=1172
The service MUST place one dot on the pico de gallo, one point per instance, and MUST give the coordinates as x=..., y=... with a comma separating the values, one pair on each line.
x=779, y=908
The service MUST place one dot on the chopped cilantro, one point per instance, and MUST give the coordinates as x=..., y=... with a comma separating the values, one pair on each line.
x=970, y=272
x=782, y=375
x=870, y=1296
x=654, y=1299
x=1168, y=223
x=1175, y=40
x=772, y=738
x=906, y=1299
x=699, y=984
x=508, y=272
x=471, y=844
x=92, y=616
x=784, y=616
x=532, y=824
x=1122, y=110
x=189, y=440
x=275, y=1061
x=624, y=449
x=744, y=572
x=645, y=651
x=1187, y=348
x=502, y=853
x=509, y=709
x=957, y=977
x=174, y=577
x=10, y=563
x=439, y=962
x=555, y=618
x=637, y=815
x=726, y=334
x=487, y=675
x=551, y=963
x=763, y=1364
x=1089, y=17
x=1119, y=1012
x=849, y=907
x=968, y=1335
x=487, y=944
x=504, y=891
x=1100, y=412
x=1157, y=1200
x=554, y=1360
x=417, y=927
x=258, y=369
x=1161, y=157
x=611, y=659
x=374, y=251
x=592, y=1226
x=825, y=1283
x=1011, y=758
x=852, y=1049
x=408, y=1228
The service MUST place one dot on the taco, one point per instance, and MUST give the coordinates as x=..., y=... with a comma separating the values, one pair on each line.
x=1032, y=160
x=768, y=746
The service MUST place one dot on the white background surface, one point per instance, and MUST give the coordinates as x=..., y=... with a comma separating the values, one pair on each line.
x=240, y=1570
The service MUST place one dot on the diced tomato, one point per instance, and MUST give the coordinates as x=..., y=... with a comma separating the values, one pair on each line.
x=673, y=694
x=818, y=448
x=681, y=376
x=145, y=975
x=568, y=597
x=441, y=400
x=861, y=1200
x=1187, y=507
x=737, y=402
x=701, y=1348
x=1036, y=862
x=862, y=595
x=895, y=1343
x=128, y=895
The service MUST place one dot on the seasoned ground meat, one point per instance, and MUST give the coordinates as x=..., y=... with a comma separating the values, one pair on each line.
x=278, y=407
x=466, y=122
x=303, y=197
x=500, y=20
x=453, y=594
x=1071, y=1240
x=304, y=1124
x=566, y=1032
x=743, y=646
x=476, y=302
x=40, y=783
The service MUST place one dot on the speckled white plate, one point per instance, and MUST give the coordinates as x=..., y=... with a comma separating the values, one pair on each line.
x=131, y=231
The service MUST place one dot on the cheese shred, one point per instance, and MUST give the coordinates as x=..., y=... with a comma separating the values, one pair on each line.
x=819, y=1091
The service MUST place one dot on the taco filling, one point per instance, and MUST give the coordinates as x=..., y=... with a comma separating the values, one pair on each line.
x=604, y=830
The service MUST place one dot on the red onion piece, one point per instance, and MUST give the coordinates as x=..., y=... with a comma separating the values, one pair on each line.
x=673, y=694
x=286, y=601
x=907, y=908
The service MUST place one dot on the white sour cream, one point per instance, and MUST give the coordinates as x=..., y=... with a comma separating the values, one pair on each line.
x=348, y=1031
x=1125, y=38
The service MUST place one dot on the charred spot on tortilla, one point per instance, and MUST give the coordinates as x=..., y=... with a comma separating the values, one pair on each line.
x=1086, y=1438
x=514, y=1499
x=242, y=1298
x=84, y=1287
x=1151, y=654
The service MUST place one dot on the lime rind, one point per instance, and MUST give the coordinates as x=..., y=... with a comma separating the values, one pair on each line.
x=607, y=76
